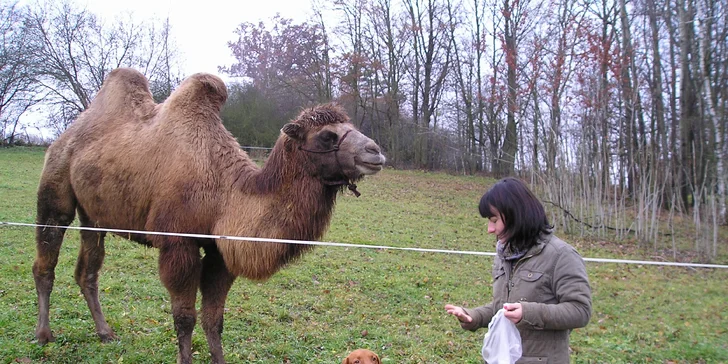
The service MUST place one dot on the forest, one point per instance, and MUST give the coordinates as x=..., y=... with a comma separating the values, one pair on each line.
x=614, y=110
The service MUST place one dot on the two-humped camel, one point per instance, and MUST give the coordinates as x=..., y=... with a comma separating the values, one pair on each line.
x=128, y=163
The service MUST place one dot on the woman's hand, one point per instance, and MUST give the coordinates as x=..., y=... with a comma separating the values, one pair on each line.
x=458, y=312
x=513, y=312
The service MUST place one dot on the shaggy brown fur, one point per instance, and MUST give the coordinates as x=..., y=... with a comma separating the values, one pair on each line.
x=128, y=163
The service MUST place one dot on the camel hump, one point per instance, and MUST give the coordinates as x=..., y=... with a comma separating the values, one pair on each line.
x=124, y=89
x=199, y=90
x=128, y=77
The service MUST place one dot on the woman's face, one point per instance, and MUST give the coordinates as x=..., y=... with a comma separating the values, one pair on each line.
x=495, y=224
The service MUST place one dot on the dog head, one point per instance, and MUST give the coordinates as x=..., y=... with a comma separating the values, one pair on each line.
x=361, y=356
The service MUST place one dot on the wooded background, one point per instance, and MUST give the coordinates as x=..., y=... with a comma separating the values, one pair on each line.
x=613, y=110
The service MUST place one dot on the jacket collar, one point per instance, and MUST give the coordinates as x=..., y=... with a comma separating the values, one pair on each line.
x=540, y=244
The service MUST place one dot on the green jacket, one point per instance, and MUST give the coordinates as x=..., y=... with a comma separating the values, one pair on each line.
x=551, y=284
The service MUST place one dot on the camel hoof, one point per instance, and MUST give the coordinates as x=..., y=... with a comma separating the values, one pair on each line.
x=108, y=337
x=44, y=336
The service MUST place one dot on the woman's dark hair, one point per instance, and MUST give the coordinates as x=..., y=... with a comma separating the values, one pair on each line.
x=524, y=217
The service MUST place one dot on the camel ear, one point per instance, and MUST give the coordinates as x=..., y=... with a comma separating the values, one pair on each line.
x=294, y=131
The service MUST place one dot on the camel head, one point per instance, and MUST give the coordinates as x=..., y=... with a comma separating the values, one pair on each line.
x=331, y=147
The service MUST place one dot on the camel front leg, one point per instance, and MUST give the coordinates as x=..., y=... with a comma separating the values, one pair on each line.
x=214, y=285
x=90, y=259
x=48, y=246
x=179, y=270
x=53, y=211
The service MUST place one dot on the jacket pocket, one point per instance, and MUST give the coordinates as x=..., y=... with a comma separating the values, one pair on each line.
x=533, y=359
x=530, y=286
x=529, y=275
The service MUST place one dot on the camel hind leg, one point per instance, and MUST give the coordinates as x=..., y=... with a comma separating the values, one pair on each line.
x=90, y=258
x=56, y=207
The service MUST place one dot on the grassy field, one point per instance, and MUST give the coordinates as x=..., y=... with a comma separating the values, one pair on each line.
x=335, y=299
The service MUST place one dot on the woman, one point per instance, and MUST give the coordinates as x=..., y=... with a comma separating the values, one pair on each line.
x=538, y=279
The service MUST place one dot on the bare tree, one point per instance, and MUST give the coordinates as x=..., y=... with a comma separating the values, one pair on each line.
x=659, y=148
x=689, y=117
x=158, y=58
x=510, y=144
x=17, y=77
x=389, y=39
x=707, y=12
x=598, y=126
x=468, y=74
x=77, y=50
x=495, y=89
x=561, y=65
x=428, y=68
x=518, y=17
x=355, y=61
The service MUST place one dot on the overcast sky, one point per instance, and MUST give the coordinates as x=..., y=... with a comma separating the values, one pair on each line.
x=201, y=29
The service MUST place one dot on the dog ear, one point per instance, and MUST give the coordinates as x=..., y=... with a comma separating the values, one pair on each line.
x=346, y=360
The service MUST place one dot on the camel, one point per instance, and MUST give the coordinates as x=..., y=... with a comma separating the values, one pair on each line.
x=129, y=163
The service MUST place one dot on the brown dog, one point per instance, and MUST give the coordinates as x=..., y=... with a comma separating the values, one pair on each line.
x=361, y=356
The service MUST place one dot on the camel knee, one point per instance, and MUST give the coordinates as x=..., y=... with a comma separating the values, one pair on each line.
x=215, y=327
x=44, y=268
x=87, y=282
x=44, y=274
x=184, y=323
x=48, y=247
x=88, y=266
x=212, y=320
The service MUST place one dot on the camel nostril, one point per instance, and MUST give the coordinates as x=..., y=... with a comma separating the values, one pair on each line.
x=373, y=149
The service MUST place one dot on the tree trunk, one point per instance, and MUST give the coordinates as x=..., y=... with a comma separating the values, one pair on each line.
x=659, y=151
x=688, y=105
x=510, y=143
x=706, y=13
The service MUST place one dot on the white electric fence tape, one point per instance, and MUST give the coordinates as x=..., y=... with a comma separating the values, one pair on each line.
x=346, y=245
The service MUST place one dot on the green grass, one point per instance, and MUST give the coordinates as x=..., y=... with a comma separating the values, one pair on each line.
x=335, y=299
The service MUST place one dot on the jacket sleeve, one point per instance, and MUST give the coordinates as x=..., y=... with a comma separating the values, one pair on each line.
x=481, y=317
x=573, y=293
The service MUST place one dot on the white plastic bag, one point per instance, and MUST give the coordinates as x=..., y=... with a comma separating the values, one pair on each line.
x=502, y=342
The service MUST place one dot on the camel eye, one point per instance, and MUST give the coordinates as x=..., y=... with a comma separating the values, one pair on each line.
x=328, y=137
